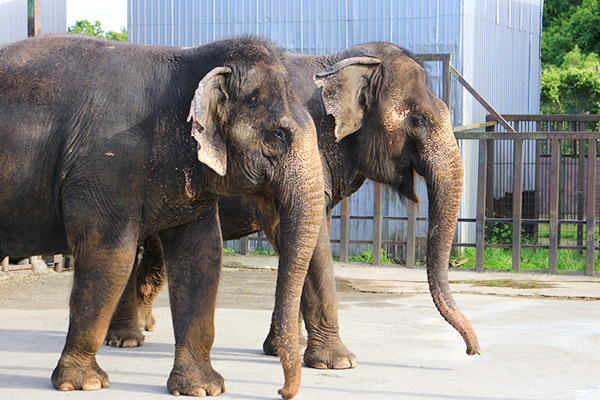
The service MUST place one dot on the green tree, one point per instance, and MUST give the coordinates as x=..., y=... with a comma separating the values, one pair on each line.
x=568, y=23
x=85, y=27
x=574, y=86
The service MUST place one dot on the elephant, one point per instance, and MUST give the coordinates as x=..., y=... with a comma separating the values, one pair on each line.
x=105, y=144
x=375, y=119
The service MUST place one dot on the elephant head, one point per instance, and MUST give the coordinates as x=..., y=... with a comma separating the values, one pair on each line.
x=270, y=149
x=395, y=126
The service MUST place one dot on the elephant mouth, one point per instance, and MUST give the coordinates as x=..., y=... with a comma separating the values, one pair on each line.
x=407, y=186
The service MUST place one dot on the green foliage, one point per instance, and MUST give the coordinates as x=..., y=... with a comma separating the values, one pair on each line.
x=227, y=250
x=367, y=257
x=261, y=250
x=501, y=233
x=531, y=259
x=85, y=27
x=574, y=87
x=568, y=23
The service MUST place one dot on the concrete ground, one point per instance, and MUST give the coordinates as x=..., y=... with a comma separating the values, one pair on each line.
x=539, y=335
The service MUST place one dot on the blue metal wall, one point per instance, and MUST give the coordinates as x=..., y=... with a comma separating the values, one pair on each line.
x=13, y=18
x=494, y=44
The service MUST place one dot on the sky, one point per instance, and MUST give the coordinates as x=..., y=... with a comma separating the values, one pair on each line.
x=112, y=14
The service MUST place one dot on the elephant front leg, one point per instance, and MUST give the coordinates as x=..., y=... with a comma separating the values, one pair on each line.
x=101, y=273
x=324, y=348
x=193, y=261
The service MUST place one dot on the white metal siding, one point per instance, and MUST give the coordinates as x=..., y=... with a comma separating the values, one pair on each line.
x=494, y=44
x=13, y=18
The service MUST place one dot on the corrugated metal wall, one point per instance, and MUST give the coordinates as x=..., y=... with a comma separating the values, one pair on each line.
x=13, y=18
x=494, y=44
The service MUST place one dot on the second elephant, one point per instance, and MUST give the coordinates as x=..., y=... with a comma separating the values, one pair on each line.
x=375, y=119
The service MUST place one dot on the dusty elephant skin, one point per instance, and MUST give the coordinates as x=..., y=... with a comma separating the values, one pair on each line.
x=375, y=119
x=106, y=144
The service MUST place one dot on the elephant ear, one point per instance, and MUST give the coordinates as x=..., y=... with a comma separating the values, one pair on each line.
x=204, y=114
x=343, y=86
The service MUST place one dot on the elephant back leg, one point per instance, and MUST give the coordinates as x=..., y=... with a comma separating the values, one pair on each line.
x=124, y=330
x=134, y=312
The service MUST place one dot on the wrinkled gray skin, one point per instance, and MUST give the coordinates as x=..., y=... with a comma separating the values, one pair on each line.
x=105, y=144
x=375, y=119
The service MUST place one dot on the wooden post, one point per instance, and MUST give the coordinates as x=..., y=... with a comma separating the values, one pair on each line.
x=344, y=229
x=58, y=262
x=591, y=209
x=447, y=80
x=553, y=206
x=517, y=203
x=580, y=184
x=34, y=18
x=377, y=222
x=244, y=242
x=481, y=197
x=5, y=264
x=489, y=177
x=411, y=233
x=538, y=181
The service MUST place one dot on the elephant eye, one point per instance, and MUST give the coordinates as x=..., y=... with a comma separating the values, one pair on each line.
x=277, y=134
x=420, y=121
x=275, y=143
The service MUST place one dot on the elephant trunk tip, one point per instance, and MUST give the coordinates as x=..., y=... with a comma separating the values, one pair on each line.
x=288, y=391
x=474, y=350
x=471, y=342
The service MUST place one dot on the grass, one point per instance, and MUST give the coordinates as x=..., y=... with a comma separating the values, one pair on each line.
x=367, y=257
x=531, y=259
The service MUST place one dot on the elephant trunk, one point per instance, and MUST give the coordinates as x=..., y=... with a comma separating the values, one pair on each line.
x=301, y=211
x=444, y=176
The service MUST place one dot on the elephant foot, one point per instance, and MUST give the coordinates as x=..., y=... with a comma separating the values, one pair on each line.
x=329, y=356
x=146, y=320
x=198, y=380
x=270, y=344
x=124, y=337
x=67, y=378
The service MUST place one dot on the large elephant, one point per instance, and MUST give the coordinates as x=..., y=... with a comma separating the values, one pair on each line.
x=375, y=119
x=96, y=155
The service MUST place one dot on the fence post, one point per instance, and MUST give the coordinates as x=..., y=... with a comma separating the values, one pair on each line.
x=447, y=80
x=344, y=229
x=377, y=221
x=481, y=200
x=517, y=203
x=580, y=183
x=244, y=242
x=5, y=264
x=591, y=209
x=34, y=18
x=411, y=233
x=489, y=177
x=58, y=262
x=553, y=206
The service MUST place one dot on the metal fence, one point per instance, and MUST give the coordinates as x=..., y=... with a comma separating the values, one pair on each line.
x=547, y=173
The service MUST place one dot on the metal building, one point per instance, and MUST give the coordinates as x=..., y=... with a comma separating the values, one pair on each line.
x=495, y=45
x=14, y=16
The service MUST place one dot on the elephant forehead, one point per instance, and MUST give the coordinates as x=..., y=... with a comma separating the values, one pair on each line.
x=395, y=114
